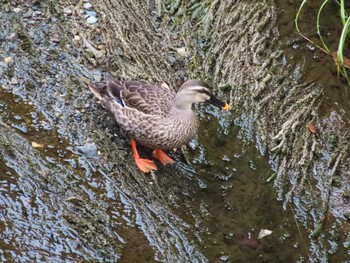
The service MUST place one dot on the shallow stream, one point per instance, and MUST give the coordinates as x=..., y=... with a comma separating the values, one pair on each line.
x=63, y=200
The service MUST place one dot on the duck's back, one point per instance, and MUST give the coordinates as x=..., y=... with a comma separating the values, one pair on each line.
x=144, y=97
x=146, y=112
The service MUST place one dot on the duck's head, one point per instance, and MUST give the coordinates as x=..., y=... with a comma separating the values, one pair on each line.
x=194, y=91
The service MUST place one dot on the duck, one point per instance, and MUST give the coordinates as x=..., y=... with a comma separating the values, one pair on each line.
x=154, y=116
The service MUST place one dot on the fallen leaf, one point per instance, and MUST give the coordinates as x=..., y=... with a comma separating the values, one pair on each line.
x=165, y=85
x=264, y=233
x=312, y=128
x=37, y=145
x=182, y=51
x=346, y=61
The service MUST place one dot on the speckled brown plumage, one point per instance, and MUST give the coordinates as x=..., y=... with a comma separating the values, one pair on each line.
x=156, y=117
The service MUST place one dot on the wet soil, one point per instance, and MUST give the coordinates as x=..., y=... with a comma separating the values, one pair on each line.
x=75, y=195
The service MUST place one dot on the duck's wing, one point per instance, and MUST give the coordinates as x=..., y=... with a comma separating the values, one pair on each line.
x=130, y=118
x=144, y=97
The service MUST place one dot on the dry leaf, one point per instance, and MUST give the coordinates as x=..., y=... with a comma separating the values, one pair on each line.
x=165, y=85
x=312, y=129
x=182, y=51
x=37, y=145
x=345, y=60
x=264, y=233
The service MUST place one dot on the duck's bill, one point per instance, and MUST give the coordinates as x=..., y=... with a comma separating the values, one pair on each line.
x=218, y=103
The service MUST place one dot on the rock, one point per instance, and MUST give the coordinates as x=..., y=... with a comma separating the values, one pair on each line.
x=91, y=20
x=55, y=38
x=101, y=47
x=9, y=60
x=224, y=258
x=91, y=13
x=87, y=6
x=37, y=13
x=67, y=10
x=90, y=150
x=76, y=38
x=14, y=81
x=17, y=10
x=182, y=51
x=76, y=104
x=13, y=36
x=28, y=14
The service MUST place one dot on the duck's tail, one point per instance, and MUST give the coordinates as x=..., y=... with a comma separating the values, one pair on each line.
x=103, y=93
x=99, y=89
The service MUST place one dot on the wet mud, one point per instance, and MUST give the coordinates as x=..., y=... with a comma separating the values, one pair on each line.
x=69, y=189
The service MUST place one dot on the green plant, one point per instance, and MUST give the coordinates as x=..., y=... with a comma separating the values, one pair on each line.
x=341, y=61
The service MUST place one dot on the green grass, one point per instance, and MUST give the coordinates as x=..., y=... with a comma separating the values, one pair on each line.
x=345, y=24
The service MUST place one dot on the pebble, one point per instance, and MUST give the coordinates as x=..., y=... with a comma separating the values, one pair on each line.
x=91, y=20
x=171, y=59
x=67, y=10
x=87, y=6
x=14, y=81
x=27, y=14
x=8, y=60
x=76, y=38
x=101, y=47
x=182, y=51
x=91, y=13
x=36, y=13
x=225, y=158
x=13, y=36
x=224, y=258
x=310, y=47
x=55, y=38
x=89, y=150
x=76, y=104
x=17, y=10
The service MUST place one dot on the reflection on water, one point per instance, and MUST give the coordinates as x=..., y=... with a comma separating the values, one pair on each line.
x=29, y=231
x=237, y=202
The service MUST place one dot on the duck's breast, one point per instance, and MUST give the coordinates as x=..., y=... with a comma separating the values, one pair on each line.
x=168, y=132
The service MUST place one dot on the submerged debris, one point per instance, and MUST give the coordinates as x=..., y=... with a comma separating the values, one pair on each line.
x=312, y=129
x=38, y=145
x=264, y=233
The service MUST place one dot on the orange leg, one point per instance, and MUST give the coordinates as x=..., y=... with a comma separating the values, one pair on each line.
x=144, y=165
x=162, y=157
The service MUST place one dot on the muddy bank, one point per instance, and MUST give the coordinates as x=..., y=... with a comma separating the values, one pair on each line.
x=84, y=182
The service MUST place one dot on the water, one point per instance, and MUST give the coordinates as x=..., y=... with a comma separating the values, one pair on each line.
x=60, y=204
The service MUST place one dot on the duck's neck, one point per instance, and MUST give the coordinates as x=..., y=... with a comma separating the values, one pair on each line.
x=182, y=109
x=182, y=104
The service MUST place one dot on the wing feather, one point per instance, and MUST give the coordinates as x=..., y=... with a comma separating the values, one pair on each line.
x=147, y=98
